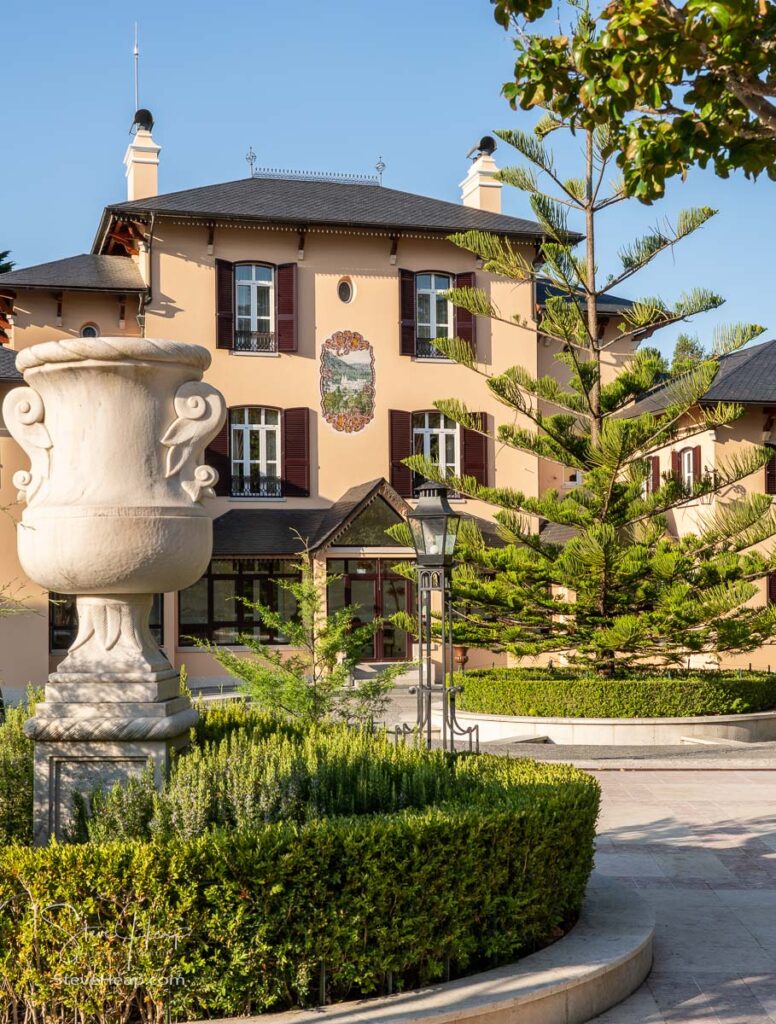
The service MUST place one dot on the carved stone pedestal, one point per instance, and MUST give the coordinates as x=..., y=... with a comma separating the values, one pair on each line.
x=114, y=703
x=115, y=429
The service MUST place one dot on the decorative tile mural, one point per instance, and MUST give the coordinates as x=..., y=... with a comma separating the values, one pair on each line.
x=347, y=381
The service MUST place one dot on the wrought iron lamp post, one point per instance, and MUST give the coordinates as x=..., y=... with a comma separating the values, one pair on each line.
x=434, y=527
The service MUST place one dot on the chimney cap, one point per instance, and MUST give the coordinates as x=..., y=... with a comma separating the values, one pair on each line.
x=143, y=119
x=485, y=147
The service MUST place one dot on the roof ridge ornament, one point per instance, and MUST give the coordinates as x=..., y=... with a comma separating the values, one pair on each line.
x=333, y=176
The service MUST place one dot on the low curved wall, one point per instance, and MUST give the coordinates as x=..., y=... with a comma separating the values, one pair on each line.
x=753, y=728
x=601, y=961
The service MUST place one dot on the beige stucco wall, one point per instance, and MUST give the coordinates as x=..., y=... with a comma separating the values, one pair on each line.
x=35, y=314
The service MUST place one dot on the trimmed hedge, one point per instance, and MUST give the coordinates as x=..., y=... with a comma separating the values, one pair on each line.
x=569, y=694
x=475, y=861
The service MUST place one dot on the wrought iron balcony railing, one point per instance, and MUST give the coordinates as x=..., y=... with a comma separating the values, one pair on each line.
x=255, y=341
x=256, y=487
x=426, y=349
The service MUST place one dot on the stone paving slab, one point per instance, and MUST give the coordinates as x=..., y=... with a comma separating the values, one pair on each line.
x=700, y=848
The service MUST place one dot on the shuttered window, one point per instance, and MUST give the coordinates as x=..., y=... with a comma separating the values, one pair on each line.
x=686, y=466
x=652, y=481
x=455, y=451
x=771, y=587
x=256, y=307
x=770, y=472
x=262, y=453
x=434, y=313
x=465, y=322
x=474, y=452
x=400, y=443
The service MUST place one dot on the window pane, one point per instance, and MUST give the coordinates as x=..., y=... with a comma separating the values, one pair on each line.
x=238, y=442
x=223, y=567
x=441, y=316
x=254, y=415
x=193, y=604
x=419, y=443
x=422, y=281
x=450, y=450
x=441, y=282
x=271, y=417
x=263, y=274
x=224, y=604
x=424, y=309
x=433, y=452
x=418, y=420
x=243, y=300
x=255, y=445
x=243, y=272
x=262, y=302
x=271, y=437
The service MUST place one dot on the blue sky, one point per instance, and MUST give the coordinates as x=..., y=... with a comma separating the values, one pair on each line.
x=311, y=86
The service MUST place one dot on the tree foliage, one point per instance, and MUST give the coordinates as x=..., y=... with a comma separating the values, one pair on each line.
x=681, y=83
x=312, y=678
x=608, y=584
x=5, y=263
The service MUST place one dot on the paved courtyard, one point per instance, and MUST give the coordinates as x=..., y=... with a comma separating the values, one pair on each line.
x=700, y=846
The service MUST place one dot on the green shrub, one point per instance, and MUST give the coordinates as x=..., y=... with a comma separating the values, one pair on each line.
x=16, y=772
x=568, y=694
x=335, y=849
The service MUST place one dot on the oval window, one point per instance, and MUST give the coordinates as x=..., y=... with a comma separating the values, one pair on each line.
x=345, y=290
x=90, y=331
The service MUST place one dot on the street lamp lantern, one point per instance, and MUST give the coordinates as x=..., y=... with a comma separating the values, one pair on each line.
x=434, y=526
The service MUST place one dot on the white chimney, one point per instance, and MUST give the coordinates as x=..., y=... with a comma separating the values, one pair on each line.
x=142, y=159
x=478, y=188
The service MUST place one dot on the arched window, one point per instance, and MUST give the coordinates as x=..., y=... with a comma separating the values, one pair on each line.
x=436, y=438
x=434, y=313
x=255, y=452
x=254, y=304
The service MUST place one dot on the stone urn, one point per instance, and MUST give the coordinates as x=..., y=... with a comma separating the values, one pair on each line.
x=115, y=430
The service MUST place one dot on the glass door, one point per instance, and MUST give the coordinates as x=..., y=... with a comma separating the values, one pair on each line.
x=377, y=592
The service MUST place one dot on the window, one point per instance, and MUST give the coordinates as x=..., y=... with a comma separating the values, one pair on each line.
x=254, y=308
x=434, y=313
x=63, y=620
x=435, y=437
x=688, y=468
x=652, y=480
x=770, y=471
x=212, y=609
x=90, y=331
x=345, y=290
x=255, y=450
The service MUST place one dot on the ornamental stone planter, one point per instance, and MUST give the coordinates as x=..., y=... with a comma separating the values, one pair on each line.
x=115, y=429
x=758, y=727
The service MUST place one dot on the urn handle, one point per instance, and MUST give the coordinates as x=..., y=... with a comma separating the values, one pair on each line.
x=201, y=411
x=23, y=414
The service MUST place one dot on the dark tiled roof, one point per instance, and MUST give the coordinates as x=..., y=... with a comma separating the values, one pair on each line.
x=273, y=532
x=555, y=533
x=747, y=376
x=303, y=202
x=87, y=272
x=8, y=369
x=607, y=304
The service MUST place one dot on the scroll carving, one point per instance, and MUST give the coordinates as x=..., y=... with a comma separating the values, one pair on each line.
x=201, y=411
x=23, y=414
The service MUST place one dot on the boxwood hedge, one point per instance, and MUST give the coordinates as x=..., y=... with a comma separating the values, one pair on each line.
x=569, y=694
x=379, y=865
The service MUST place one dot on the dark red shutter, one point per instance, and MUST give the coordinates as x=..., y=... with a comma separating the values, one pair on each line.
x=400, y=443
x=285, y=307
x=217, y=456
x=696, y=464
x=771, y=587
x=676, y=465
x=465, y=322
x=770, y=473
x=655, y=461
x=474, y=453
x=224, y=304
x=407, y=312
x=296, y=453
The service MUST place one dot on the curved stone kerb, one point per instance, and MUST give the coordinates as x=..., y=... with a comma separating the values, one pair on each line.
x=77, y=350
x=55, y=730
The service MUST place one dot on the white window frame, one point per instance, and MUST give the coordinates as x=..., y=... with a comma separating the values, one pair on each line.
x=268, y=469
x=268, y=342
x=687, y=467
x=431, y=325
x=442, y=431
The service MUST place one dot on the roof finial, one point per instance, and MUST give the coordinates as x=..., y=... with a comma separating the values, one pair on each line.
x=136, y=55
x=380, y=167
x=250, y=158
